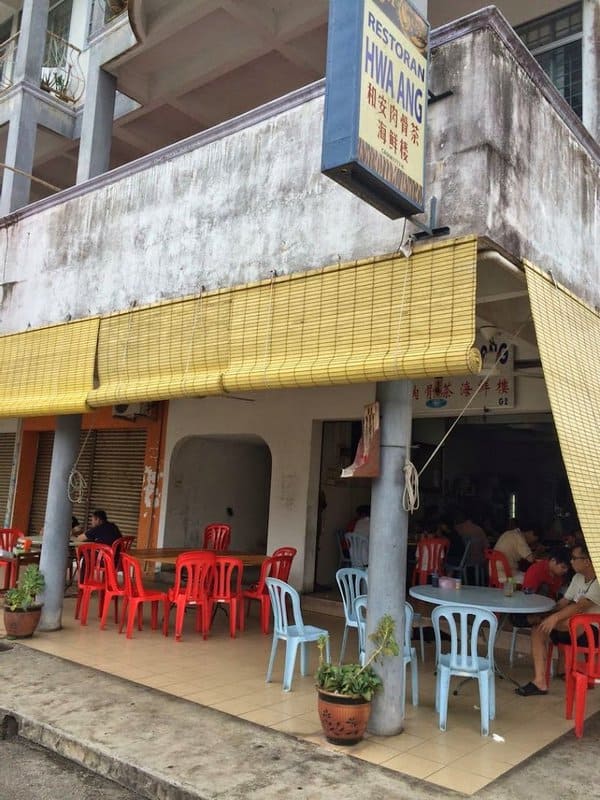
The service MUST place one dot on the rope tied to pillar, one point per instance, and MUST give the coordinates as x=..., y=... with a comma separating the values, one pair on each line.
x=411, y=489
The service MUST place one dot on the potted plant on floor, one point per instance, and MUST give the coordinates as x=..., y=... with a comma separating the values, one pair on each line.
x=345, y=691
x=21, y=612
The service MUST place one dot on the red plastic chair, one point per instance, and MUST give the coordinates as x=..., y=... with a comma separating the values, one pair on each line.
x=136, y=595
x=112, y=589
x=194, y=577
x=495, y=557
x=92, y=558
x=8, y=540
x=227, y=590
x=431, y=557
x=282, y=563
x=258, y=591
x=217, y=536
x=583, y=668
x=119, y=546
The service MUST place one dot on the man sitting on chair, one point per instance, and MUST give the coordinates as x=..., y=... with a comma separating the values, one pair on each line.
x=102, y=531
x=582, y=597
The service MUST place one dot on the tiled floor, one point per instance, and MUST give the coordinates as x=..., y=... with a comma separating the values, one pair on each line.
x=229, y=675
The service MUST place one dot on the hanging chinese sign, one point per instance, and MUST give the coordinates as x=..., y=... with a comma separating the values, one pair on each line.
x=376, y=103
x=366, y=460
x=442, y=394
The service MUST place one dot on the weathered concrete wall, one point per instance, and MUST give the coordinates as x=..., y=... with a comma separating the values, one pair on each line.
x=504, y=161
x=231, y=205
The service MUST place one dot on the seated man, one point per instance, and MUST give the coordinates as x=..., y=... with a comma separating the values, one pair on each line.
x=516, y=546
x=102, y=531
x=544, y=577
x=582, y=597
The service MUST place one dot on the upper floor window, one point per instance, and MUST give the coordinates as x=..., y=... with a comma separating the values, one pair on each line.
x=555, y=41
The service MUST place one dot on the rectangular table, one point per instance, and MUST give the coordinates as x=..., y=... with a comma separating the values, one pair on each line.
x=168, y=555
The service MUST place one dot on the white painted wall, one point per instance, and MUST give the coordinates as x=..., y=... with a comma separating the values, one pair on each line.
x=207, y=477
x=284, y=421
x=247, y=201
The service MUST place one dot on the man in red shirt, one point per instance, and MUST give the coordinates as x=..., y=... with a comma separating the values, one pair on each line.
x=544, y=577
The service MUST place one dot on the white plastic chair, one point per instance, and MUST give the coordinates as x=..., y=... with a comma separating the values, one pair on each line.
x=351, y=582
x=408, y=651
x=463, y=658
x=293, y=634
x=359, y=549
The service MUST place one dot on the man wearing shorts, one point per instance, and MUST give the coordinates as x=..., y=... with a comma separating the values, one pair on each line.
x=582, y=597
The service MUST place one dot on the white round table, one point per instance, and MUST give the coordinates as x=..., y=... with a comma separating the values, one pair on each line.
x=483, y=597
x=490, y=599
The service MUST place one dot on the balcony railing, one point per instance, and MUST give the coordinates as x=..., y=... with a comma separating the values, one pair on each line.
x=8, y=55
x=103, y=12
x=62, y=75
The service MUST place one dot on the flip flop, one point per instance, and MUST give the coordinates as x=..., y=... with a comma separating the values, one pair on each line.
x=529, y=690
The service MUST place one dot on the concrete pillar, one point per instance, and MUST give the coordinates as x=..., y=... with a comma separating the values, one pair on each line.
x=22, y=130
x=590, y=55
x=32, y=41
x=97, y=123
x=388, y=547
x=57, y=522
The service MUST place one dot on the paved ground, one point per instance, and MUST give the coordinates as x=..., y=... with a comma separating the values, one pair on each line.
x=163, y=747
x=29, y=772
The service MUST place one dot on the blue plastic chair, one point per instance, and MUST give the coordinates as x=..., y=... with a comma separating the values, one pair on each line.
x=359, y=549
x=463, y=658
x=409, y=652
x=352, y=583
x=293, y=633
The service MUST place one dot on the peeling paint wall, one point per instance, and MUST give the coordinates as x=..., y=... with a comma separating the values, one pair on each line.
x=501, y=162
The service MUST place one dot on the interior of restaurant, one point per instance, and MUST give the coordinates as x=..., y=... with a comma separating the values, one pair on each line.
x=494, y=467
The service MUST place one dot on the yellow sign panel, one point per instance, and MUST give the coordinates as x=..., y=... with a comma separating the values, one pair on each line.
x=393, y=95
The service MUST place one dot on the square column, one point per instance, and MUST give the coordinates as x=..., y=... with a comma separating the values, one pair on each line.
x=97, y=123
x=590, y=57
x=22, y=131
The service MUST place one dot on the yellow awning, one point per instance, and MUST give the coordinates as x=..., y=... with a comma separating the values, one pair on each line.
x=48, y=370
x=176, y=349
x=568, y=334
x=378, y=319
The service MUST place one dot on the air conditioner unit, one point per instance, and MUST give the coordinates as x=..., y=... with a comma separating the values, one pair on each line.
x=133, y=410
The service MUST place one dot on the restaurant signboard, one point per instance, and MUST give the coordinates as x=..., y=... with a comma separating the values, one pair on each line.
x=376, y=103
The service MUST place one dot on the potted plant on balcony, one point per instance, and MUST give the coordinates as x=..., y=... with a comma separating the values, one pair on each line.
x=21, y=612
x=345, y=691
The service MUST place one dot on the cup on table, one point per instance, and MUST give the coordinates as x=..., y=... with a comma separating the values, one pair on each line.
x=509, y=588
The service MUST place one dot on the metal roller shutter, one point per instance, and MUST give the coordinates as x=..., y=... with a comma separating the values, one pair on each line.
x=40, y=482
x=117, y=477
x=112, y=465
x=7, y=446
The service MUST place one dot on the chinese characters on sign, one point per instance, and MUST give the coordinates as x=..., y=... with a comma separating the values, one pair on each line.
x=376, y=102
x=394, y=95
x=452, y=394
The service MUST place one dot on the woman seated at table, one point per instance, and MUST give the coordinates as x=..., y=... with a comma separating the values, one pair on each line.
x=545, y=577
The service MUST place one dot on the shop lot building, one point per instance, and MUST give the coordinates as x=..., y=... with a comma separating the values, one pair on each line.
x=220, y=312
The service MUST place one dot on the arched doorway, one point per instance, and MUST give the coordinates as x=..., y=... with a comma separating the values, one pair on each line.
x=219, y=478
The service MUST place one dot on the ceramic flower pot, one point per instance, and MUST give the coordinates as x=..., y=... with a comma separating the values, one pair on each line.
x=344, y=719
x=21, y=624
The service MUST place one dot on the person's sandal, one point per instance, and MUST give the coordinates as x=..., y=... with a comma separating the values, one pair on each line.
x=529, y=690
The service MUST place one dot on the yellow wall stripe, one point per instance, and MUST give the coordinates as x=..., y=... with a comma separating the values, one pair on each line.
x=48, y=370
x=378, y=319
x=568, y=334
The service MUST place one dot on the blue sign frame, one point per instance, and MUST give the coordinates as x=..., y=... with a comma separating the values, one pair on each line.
x=342, y=147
